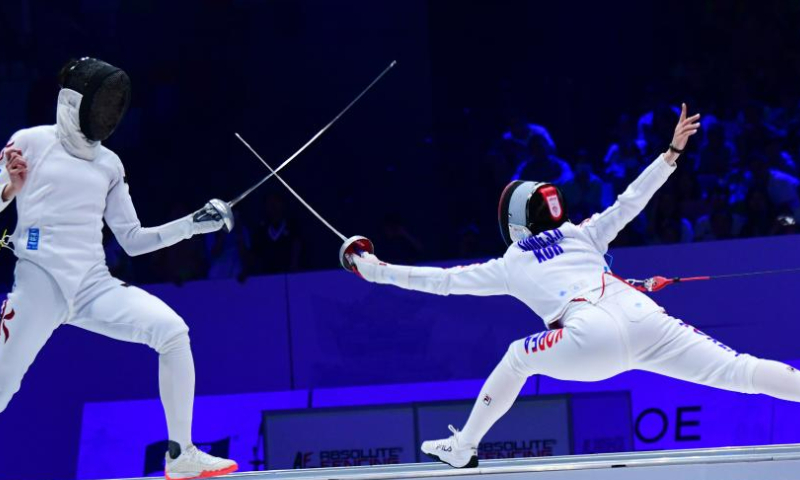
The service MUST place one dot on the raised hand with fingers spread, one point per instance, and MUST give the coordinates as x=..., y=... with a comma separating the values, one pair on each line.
x=686, y=127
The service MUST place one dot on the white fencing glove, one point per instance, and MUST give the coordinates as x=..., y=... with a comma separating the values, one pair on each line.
x=214, y=216
x=372, y=269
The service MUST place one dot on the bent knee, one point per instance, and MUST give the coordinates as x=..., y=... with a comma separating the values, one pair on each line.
x=515, y=357
x=168, y=332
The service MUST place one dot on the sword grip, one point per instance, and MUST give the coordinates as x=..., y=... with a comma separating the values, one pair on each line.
x=354, y=246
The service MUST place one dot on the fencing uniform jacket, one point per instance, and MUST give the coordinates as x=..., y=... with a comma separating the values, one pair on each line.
x=544, y=271
x=73, y=185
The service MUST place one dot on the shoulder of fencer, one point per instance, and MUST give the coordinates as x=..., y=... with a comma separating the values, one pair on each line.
x=34, y=136
x=34, y=141
x=580, y=230
x=581, y=227
x=107, y=156
x=513, y=254
x=511, y=251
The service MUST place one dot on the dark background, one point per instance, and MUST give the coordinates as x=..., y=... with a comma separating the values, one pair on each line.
x=413, y=153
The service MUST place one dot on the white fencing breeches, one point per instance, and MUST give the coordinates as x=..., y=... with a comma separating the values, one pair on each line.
x=104, y=305
x=624, y=331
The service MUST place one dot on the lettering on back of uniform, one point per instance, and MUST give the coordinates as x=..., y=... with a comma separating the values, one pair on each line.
x=544, y=246
x=33, y=239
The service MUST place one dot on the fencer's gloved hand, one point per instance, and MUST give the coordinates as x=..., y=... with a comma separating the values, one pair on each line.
x=371, y=269
x=367, y=266
x=207, y=220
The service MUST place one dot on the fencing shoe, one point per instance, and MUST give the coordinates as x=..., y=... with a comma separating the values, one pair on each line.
x=195, y=463
x=451, y=451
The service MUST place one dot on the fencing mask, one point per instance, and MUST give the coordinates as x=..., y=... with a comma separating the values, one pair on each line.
x=528, y=208
x=106, y=94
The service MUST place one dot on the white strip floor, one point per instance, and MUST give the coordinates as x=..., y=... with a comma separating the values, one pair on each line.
x=776, y=462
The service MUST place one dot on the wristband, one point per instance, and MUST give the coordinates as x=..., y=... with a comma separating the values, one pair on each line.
x=675, y=149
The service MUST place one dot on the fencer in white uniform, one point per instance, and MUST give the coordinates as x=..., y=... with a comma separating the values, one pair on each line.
x=66, y=183
x=598, y=326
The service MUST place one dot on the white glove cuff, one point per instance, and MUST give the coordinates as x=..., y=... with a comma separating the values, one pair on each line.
x=175, y=231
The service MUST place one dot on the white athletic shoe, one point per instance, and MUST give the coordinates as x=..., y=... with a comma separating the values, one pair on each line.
x=195, y=463
x=451, y=452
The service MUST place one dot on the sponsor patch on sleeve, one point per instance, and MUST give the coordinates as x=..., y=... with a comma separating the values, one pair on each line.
x=33, y=239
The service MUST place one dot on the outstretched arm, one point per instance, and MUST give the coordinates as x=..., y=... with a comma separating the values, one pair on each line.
x=604, y=227
x=481, y=279
x=121, y=218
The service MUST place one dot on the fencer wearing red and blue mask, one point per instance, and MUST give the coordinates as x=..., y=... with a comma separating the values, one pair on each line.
x=597, y=325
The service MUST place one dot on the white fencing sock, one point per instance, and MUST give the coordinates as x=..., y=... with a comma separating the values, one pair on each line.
x=497, y=396
x=176, y=383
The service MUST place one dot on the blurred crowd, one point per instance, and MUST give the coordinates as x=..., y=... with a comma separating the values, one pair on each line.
x=419, y=165
x=739, y=178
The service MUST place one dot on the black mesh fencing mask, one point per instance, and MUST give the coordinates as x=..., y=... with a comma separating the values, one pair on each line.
x=106, y=92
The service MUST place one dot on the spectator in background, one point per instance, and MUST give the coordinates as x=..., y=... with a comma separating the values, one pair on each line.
x=397, y=244
x=759, y=214
x=717, y=155
x=520, y=132
x=666, y=224
x=716, y=201
x=781, y=187
x=785, y=225
x=625, y=158
x=585, y=193
x=785, y=115
x=657, y=128
x=651, y=98
x=469, y=242
x=721, y=223
x=691, y=198
x=183, y=262
x=737, y=181
x=753, y=132
x=779, y=159
x=227, y=253
x=542, y=165
x=276, y=241
x=512, y=149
